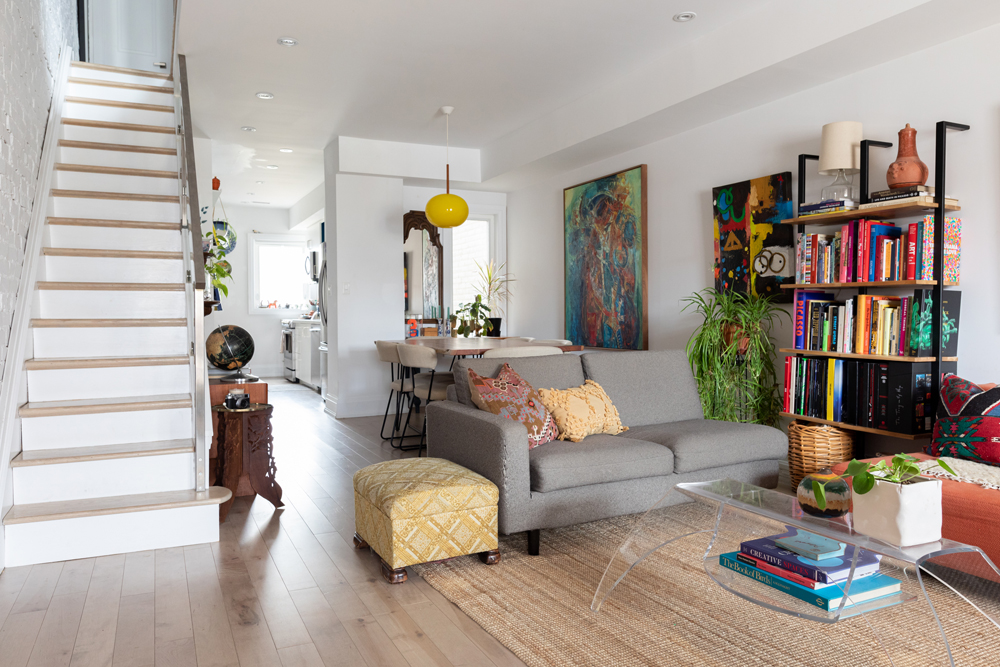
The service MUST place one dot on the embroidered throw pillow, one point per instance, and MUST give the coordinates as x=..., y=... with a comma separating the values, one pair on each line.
x=582, y=411
x=510, y=396
x=968, y=424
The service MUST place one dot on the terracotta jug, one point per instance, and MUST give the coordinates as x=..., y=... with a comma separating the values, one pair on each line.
x=908, y=169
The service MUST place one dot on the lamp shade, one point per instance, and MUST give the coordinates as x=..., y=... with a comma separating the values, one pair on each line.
x=446, y=210
x=841, y=147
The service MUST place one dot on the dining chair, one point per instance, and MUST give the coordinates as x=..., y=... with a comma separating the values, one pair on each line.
x=523, y=339
x=528, y=351
x=426, y=387
x=553, y=341
x=387, y=352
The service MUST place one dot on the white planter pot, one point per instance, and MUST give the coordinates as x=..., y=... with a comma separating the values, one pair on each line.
x=900, y=514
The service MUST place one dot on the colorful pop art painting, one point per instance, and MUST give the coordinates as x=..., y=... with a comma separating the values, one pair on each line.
x=605, y=228
x=754, y=254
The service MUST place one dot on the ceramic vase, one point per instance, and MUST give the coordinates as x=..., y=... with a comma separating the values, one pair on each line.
x=837, y=491
x=908, y=169
x=900, y=514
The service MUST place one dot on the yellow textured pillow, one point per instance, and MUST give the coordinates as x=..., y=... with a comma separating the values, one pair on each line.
x=582, y=411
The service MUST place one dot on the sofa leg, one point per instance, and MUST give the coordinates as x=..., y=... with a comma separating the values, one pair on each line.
x=359, y=542
x=534, y=537
x=393, y=576
x=491, y=557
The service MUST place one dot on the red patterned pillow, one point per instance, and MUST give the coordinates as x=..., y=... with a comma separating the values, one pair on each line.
x=512, y=397
x=968, y=425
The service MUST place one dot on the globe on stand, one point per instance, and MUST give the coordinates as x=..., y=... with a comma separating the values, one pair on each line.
x=230, y=347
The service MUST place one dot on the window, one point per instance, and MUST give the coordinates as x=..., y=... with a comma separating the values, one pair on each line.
x=279, y=274
x=470, y=245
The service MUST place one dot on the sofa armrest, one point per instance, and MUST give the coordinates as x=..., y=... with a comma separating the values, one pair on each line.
x=488, y=444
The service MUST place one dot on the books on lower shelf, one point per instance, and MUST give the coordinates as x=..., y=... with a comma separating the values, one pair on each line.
x=874, y=251
x=819, y=582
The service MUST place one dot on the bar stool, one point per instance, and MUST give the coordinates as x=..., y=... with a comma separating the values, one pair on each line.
x=426, y=387
x=387, y=353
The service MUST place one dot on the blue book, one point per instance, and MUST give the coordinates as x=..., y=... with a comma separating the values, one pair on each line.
x=827, y=571
x=876, y=231
x=802, y=297
x=838, y=383
x=862, y=589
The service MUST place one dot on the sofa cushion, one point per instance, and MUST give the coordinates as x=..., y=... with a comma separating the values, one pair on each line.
x=597, y=459
x=646, y=387
x=559, y=371
x=582, y=411
x=698, y=444
x=508, y=395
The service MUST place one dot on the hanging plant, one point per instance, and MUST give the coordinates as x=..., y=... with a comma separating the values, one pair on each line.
x=221, y=240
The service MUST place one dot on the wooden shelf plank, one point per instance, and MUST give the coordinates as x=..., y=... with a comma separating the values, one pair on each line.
x=879, y=283
x=867, y=357
x=852, y=427
x=880, y=212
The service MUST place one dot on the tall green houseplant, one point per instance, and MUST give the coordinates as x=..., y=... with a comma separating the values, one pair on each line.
x=732, y=356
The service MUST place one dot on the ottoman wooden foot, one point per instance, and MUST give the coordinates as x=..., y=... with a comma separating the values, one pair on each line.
x=393, y=576
x=359, y=542
x=490, y=557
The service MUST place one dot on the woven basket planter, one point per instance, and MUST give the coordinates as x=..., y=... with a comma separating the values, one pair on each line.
x=812, y=447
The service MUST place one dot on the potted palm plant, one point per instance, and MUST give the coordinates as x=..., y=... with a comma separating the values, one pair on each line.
x=494, y=286
x=732, y=356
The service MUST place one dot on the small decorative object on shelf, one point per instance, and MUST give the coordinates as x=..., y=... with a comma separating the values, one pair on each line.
x=836, y=491
x=908, y=170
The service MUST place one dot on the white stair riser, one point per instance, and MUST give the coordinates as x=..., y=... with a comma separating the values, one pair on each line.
x=117, y=114
x=107, y=303
x=115, y=209
x=72, y=343
x=118, y=94
x=104, y=238
x=101, y=479
x=110, y=136
x=113, y=269
x=127, y=159
x=87, y=537
x=145, y=185
x=77, y=383
x=120, y=77
x=109, y=428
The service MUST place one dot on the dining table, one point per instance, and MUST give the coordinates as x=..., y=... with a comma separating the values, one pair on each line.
x=449, y=346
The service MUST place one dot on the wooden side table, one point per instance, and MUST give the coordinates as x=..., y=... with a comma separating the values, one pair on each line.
x=245, y=445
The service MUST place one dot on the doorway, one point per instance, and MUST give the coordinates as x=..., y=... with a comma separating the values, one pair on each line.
x=137, y=34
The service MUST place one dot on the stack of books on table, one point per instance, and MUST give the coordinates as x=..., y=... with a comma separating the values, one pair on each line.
x=826, y=206
x=812, y=568
x=914, y=194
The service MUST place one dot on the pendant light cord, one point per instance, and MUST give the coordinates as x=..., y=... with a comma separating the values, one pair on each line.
x=447, y=155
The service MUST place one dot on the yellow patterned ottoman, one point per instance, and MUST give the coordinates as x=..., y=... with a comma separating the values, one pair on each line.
x=424, y=509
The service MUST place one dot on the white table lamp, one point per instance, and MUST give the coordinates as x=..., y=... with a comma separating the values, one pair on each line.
x=840, y=154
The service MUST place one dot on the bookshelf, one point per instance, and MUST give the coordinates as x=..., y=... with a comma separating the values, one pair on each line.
x=923, y=206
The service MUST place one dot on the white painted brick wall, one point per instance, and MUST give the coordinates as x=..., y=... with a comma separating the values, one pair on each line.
x=32, y=33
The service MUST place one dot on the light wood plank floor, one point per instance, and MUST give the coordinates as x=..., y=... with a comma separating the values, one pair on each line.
x=281, y=588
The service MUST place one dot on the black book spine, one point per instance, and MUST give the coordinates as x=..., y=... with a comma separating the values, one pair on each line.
x=872, y=393
x=814, y=326
x=882, y=405
x=834, y=325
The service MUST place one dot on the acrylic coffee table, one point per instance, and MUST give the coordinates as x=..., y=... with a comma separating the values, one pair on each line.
x=744, y=511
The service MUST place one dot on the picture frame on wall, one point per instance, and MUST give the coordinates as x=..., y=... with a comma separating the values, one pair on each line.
x=605, y=235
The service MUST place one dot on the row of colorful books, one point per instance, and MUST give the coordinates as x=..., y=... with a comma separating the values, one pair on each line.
x=787, y=563
x=892, y=396
x=913, y=194
x=826, y=206
x=874, y=251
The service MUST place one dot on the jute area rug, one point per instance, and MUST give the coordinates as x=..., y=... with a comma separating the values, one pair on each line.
x=668, y=612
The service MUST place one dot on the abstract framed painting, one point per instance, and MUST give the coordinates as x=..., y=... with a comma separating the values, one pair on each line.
x=754, y=254
x=604, y=222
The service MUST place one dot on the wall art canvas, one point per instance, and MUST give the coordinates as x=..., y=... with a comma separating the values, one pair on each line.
x=753, y=253
x=605, y=231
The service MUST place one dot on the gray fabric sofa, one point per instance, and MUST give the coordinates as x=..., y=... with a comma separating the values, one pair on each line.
x=563, y=483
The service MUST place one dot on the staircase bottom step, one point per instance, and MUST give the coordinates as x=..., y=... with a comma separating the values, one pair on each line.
x=48, y=532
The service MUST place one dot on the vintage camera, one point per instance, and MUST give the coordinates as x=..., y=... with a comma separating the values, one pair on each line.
x=239, y=401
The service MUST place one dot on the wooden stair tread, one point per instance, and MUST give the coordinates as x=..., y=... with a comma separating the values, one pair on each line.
x=122, y=70
x=144, y=502
x=111, y=253
x=113, y=125
x=101, y=453
x=68, y=363
x=118, y=196
x=92, y=406
x=121, y=84
x=123, y=148
x=121, y=224
x=107, y=322
x=116, y=171
x=121, y=105
x=110, y=287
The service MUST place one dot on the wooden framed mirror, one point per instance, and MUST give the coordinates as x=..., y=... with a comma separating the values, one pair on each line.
x=425, y=271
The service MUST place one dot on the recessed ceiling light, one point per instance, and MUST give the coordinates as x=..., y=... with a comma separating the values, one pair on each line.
x=262, y=202
x=266, y=96
x=249, y=194
x=684, y=17
x=284, y=150
x=248, y=128
x=260, y=159
x=271, y=166
x=287, y=41
x=260, y=182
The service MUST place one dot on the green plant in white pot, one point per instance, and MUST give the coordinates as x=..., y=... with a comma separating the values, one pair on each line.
x=892, y=502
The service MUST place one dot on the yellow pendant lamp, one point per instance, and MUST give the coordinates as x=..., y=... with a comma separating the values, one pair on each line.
x=447, y=210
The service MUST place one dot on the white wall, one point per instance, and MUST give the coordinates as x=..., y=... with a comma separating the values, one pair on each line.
x=683, y=169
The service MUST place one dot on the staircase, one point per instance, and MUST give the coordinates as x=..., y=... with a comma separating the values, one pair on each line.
x=108, y=444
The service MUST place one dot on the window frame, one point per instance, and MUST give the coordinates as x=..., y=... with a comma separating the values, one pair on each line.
x=496, y=216
x=253, y=277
